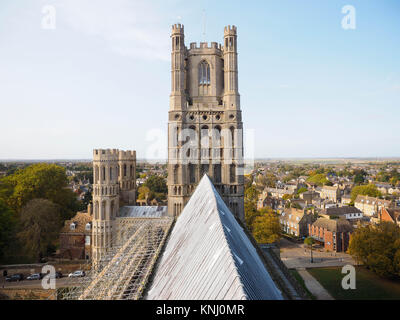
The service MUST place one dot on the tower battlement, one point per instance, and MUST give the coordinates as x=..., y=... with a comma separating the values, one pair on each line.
x=127, y=155
x=178, y=28
x=230, y=30
x=205, y=45
x=105, y=154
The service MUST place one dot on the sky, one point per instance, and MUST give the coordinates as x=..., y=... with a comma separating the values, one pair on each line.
x=99, y=76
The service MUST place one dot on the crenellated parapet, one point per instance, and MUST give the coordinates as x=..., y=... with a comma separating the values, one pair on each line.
x=177, y=29
x=129, y=155
x=230, y=30
x=105, y=154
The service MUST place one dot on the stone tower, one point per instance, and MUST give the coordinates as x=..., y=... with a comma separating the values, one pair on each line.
x=127, y=177
x=113, y=182
x=205, y=121
x=105, y=199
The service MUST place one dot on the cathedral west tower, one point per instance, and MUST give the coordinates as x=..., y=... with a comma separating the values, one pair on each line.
x=205, y=121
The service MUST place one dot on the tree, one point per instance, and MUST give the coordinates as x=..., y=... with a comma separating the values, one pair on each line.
x=318, y=179
x=309, y=241
x=302, y=190
x=41, y=222
x=7, y=227
x=157, y=184
x=143, y=192
x=41, y=180
x=287, y=196
x=267, y=228
x=251, y=194
x=378, y=248
x=366, y=190
x=358, y=178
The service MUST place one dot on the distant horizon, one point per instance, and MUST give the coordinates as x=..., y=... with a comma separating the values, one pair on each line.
x=255, y=159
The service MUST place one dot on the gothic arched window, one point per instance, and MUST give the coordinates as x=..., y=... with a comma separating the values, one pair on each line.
x=204, y=73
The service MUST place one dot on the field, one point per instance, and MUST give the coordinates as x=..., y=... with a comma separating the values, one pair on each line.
x=369, y=286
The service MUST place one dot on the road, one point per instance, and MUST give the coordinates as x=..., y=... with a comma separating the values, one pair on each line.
x=36, y=284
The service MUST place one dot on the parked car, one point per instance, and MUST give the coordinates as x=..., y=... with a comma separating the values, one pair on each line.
x=77, y=273
x=35, y=276
x=15, y=277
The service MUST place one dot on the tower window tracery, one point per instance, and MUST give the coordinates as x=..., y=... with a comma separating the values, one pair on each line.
x=204, y=73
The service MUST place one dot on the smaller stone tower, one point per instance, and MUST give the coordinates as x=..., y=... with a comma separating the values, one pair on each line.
x=127, y=177
x=105, y=199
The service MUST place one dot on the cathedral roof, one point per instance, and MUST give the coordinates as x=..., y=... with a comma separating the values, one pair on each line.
x=142, y=211
x=208, y=256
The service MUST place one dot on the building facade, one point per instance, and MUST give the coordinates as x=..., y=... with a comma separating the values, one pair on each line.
x=331, y=193
x=205, y=121
x=295, y=221
x=370, y=206
x=76, y=237
x=334, y=234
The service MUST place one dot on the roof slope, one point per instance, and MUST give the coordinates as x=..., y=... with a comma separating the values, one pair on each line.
x=208, y=256
x=142, y=211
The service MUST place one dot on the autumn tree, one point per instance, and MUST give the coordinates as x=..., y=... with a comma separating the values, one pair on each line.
x=40, y=221
x=365, y=190
x=41, y=180
x=378, y=248
x=266, y=227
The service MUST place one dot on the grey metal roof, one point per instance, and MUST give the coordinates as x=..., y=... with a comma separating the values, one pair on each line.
x=209, y=256
x=142, y=211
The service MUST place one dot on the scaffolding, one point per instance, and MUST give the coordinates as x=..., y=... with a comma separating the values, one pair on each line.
x=123, y=271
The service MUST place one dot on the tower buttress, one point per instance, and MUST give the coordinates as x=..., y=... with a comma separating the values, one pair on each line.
x=178, y=97
x=231, y=93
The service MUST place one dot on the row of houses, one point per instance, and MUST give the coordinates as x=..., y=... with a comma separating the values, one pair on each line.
x=332, y=227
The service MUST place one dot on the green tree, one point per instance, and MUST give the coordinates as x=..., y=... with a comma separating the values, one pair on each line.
x=41, y=180
x=378, y=248
x=157, y=184
x=7, y=228
x=318, y=179
x=365, y=190
x=302, y=190
x=41, y=222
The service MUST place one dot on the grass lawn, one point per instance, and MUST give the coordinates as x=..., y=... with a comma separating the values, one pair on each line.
x=368, y=284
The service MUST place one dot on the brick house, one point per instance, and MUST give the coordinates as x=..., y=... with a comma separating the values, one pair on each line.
x=391, y=215
x=334, y=234
x=76, y=237
x=295, y=221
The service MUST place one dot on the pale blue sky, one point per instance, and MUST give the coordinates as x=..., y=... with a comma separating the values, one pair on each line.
x=308, y=87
